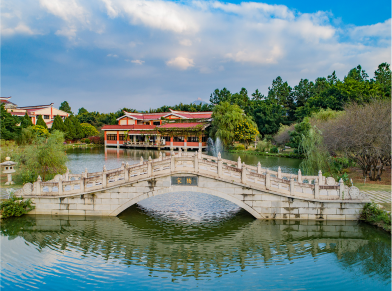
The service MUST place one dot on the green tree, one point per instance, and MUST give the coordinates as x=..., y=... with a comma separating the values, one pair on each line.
x=301, y=130
x=223, y=95
x=41, y=122
x=58, y=124
x=70, y=131
x=44, y=157
x=226, y=118
x=65, y=107
x=280, y=93
x=78, y=129
x=89, y=130
x=269, y=116
x=8, y=124
x=26, y=121
x=246, y=130
x=82, y=110
x=383, y=77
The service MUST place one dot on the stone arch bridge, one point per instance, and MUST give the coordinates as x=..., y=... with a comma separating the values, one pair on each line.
x=263, y=193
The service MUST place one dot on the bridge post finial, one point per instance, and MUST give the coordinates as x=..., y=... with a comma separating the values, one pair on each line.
x=299, y=176
x=279, y=173
x=85, y=172
x=126, y=165
x=122, y=165
x=149, y=158
x=243, y=174
x=258, y=168
x=239, y=163
x=141, y=161
x=104, y=168
x=316, y=190
x=160, y=156
x=267, y=180
x=67, y=175
x=320, y=178
x=179, y=152
x=292, y=185
x=219, y=156
x=341, y=189
x=39, y=178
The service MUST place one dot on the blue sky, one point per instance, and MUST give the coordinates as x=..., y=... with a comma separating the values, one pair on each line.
x=108, y=54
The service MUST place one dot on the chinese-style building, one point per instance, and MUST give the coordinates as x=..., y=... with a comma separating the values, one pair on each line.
x=159, y=130
x=48, y=112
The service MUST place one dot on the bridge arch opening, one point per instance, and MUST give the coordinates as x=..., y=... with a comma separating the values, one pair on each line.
x=226, y=201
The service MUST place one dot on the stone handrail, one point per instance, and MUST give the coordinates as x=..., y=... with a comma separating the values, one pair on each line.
x=253, y=177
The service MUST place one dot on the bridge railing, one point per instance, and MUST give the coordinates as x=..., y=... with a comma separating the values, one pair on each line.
x=254, y=177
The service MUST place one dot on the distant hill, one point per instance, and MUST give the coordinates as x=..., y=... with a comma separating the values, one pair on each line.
x=199, y=101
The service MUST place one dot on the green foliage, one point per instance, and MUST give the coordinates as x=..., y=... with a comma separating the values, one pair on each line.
x=316, y=156
x=274, y=150
x=65, y=107
x=40, y=131
x=86, y=140
x=15, y=206
x=44, y=157
x=88, y=129
x=78, y=128
x=58, y=124
x=70, y=132
x=239, y=147
x=26, y=121
x=263, y=146
x=246, y=130
x=41, y=122
x=226, y=118
x=373, y=214
x=301, y=130
x=8, y=124
x=269, y=116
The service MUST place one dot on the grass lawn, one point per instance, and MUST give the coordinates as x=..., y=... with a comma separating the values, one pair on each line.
x=384, y=185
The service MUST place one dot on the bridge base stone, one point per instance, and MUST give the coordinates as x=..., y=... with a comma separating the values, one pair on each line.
x=261, y=204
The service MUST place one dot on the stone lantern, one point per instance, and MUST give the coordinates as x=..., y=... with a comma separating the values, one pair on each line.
x=8, y=167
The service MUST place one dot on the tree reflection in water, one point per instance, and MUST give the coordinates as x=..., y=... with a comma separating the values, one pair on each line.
x=207, y=248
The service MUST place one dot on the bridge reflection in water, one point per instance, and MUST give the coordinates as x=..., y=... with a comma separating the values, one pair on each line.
x=204, y=249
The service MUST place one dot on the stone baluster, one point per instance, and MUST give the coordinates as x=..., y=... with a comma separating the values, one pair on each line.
x=160, y=156
x=292, y=186
x=126, y=172
x=220, y=172
x=243, y=174
x=60, y=187
x=219, y=156
x=82, y=184
x=122, y=165
x=85, y=173
x=279, y=173
x=320, y=178
x=342, y=195
x=67, y=175
x=149, y=167
x=239, y=163
x=37, y=185
x=104, y=177
x=196, y=163
x=172, y=163
x=141, y=161
x=199, y=154
x=171, y=151
x=316, y=190
x=258, y=168
x=299, y=176
x=179, y=152
x=267, y=180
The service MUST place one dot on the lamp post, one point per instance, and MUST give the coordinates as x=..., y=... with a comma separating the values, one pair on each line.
x=8, y=167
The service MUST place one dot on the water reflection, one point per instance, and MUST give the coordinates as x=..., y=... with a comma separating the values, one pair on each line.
x=203, y=250
x=94, y=158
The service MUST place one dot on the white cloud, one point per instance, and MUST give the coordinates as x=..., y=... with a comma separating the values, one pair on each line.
x=382, y=29
x=21, y=28
x=112, y=55
x=68, y=10
x=138, y=62
x=156, y=14
x=181, y=63
x=185, y=42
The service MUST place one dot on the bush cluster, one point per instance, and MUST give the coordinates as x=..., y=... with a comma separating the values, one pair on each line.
x=373, y=214
x=15, y=206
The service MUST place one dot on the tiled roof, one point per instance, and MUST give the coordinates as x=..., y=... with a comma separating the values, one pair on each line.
x=128, y=127
x=181, y=125
x=181, y=114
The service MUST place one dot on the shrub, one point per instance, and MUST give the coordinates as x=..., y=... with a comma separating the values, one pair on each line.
x=274, y=150
x=15, y=206
x=372, y=213
x=263, y=146
x=87, y=141
x=96, y=140
x=239, y=147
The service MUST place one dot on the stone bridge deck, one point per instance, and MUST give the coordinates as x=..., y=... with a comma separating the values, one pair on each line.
x=264, y=193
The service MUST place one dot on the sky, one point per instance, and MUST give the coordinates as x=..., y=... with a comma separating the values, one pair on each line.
x=108, y=54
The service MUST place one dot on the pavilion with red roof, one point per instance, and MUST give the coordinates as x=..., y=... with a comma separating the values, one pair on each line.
x=159, y=130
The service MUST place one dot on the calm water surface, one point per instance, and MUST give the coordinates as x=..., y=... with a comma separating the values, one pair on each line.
x=188, y=241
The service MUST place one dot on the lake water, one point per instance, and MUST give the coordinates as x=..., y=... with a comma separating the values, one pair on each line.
x=188, y=241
